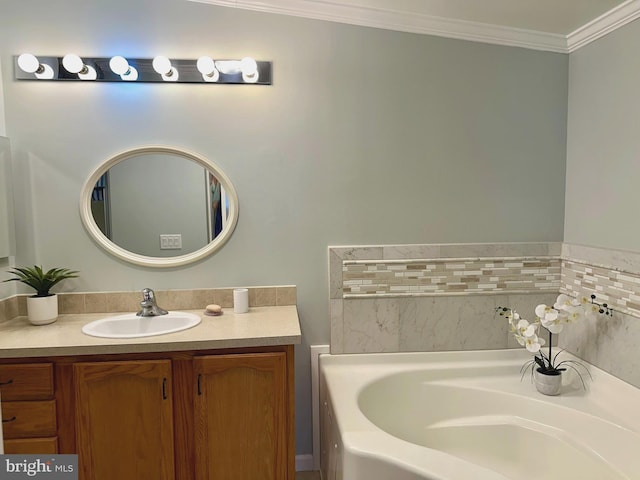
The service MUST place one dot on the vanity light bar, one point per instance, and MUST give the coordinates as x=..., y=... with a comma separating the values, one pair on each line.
x=160, y=69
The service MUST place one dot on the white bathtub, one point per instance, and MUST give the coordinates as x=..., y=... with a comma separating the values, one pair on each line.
x=467, y=415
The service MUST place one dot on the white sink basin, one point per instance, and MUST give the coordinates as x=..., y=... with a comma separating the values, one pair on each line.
x=132, y=326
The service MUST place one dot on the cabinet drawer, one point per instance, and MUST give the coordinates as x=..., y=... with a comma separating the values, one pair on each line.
x=31, y=446
x=29, y=419
x=33, y=381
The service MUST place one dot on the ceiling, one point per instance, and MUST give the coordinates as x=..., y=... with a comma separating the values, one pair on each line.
x=553, y=25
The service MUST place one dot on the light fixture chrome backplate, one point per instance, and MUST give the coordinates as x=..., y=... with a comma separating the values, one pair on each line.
x=187, y=69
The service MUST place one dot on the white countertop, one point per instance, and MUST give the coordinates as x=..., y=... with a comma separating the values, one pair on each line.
x=261, y=326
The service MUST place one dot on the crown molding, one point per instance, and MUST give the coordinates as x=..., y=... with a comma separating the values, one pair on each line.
x=604, y=24
x=413, y=22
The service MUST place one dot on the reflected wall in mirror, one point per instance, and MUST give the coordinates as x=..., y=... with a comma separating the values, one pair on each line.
x=6, y=200
x=159, y=206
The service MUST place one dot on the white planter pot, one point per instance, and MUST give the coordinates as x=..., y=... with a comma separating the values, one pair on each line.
x=42, y=310
x=547, y=384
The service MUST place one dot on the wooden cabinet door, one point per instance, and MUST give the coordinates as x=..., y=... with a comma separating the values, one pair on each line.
x=124, y=420
x=241, y=417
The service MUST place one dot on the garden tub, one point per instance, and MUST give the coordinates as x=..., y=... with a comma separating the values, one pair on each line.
x=472, y=415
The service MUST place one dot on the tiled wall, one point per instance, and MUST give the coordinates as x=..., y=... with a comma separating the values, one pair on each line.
x=435, y=297
x=112, y=302
x=610, y=343
x=620, y=289
x=442, y=297
x=379, y=278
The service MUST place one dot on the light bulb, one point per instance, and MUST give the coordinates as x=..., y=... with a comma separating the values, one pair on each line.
x=248, y=66
x=250, y=78
x=47, y=72
x=212, y=77
x=228, y=67
x=162, y=65
x=131, y=75
x=119, y=65
x=73, y=63
x=205, y=65
x=28, y=63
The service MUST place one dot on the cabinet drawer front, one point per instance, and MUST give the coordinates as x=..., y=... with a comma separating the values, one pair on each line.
x=33, y=381
x=31, y=446
x=29, y=419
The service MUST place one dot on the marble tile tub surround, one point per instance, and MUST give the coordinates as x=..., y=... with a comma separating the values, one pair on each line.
x=612, y=343
x=451, y=319
x=612, y=275
x=111, y=302
x=465, y=321
x=426, y=324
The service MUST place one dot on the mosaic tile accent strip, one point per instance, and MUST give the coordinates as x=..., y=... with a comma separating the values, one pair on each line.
x=449, y=276
x=616, y=287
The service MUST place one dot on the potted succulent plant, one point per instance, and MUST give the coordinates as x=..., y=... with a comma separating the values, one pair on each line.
x=42, y=308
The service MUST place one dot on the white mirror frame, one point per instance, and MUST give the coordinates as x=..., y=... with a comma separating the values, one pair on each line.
x=96, y=234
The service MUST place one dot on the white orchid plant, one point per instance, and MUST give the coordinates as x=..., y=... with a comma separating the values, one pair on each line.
x=565, y=310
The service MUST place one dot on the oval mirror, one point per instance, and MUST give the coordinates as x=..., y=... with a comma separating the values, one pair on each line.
x=159, y=206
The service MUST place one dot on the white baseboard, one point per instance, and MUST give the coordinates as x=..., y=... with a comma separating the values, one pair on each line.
x=304, y=463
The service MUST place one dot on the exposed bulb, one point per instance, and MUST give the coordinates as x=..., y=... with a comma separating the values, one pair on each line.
x=29, y=63
x=131, y=75
x=119, y=65
x=207, y=67
x=253, y=78
x=73, y=63
x=248, y=66
x=228, y=67
x=162, y=65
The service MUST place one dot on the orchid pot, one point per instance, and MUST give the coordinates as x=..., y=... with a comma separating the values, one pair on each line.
x=547, y=383
x=546, y=368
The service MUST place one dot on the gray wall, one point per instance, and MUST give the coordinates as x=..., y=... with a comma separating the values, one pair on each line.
x=603, y=168
x=602, y=194
x=3, y=131
x=366, y=137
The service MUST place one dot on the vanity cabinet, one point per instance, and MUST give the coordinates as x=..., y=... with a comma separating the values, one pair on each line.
x=28, y=408
x=240, y=417
x=124, y=419
x=190, y=415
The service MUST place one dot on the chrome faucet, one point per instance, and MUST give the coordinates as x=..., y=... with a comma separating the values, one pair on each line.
x=148, y=305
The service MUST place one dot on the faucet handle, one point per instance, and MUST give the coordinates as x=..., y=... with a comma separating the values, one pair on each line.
x=148, y=295
x=148, y=305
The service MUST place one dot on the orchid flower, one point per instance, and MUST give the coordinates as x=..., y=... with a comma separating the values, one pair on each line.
x=533, y=343
x=550, y=318
x=566, y=309
x=575, y=314
x=564, y=302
